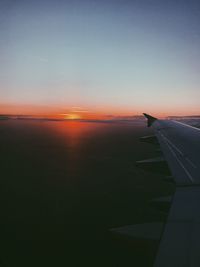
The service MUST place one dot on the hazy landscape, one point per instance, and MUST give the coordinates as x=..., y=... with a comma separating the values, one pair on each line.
x=65, y=184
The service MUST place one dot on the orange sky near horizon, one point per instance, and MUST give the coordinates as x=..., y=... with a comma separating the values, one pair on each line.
x=76, y=112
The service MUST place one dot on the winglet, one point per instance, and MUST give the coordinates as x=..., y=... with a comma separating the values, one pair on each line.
x=150, y=119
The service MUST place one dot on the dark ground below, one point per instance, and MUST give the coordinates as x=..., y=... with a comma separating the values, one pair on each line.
x=65, y=184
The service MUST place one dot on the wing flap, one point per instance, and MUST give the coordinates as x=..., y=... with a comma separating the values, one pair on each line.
x=181, y=238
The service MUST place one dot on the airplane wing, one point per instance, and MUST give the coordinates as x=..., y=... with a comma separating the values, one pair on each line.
x=180, y=240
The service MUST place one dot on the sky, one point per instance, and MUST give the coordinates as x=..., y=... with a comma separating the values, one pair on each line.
x=114, y=57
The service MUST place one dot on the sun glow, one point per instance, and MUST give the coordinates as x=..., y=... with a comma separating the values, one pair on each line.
x=72, y=116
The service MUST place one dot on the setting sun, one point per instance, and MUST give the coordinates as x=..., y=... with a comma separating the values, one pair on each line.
x=72, y=116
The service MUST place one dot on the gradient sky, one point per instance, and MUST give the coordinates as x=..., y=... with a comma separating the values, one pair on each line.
x=124, y=56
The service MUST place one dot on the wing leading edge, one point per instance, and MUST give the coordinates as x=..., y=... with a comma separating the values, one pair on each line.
x=180, y=242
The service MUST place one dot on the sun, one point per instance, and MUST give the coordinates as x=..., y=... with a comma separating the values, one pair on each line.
x=72, y=116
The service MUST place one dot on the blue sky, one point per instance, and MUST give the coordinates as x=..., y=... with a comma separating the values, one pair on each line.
x=124, y=55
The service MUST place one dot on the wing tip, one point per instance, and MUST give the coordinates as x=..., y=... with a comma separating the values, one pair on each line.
x=150, y=119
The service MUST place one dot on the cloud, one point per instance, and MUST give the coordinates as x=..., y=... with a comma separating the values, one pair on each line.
x=79, y=110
